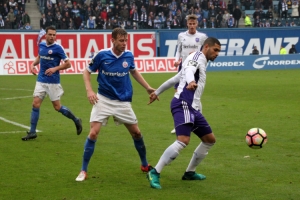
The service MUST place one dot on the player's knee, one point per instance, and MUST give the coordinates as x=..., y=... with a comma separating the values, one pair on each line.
x=136, y=135
x=93, y=135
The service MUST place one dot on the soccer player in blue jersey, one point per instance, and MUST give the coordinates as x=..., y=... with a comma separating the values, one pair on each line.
x=114, y=96
x=48, y=81
x=185, y=108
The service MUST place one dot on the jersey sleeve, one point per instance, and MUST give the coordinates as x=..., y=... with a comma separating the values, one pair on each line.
x=62, y=54
x=179, y=48
x=132, y=65
x=94, y=65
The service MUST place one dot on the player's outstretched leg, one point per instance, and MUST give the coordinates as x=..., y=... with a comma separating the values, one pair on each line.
x=67, y=112
x=141, y=149
x=153, y=178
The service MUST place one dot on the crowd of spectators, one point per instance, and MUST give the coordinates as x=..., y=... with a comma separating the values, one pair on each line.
x=13, y=15
x=148, y=14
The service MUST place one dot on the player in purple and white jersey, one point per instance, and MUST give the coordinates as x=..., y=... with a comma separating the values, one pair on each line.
x=186, y=111
x=48, y=81
x=188, y=42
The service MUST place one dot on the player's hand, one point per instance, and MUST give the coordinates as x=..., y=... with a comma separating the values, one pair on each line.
x=50, y=71
x=176, y=64
x=152, y=98
x=150, y=90
x=92, y=97
x=33, y=70
x=192, y=86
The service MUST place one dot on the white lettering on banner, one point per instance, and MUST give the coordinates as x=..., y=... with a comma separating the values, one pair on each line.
x=30, y=47
x=171, y=47
x=92, y=45
x=70, y=50
x=238, y=46
x=267, y=61
x=227, y=64
x=257, y=66
x=143, y=65
x=9, y=50
x=146, y=49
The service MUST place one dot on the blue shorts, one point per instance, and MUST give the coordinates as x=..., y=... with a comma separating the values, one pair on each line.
x=187, y=119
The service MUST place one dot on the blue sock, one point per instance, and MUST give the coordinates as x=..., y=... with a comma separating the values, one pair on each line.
x=66, y=112
x=88, y=152
x=141, y=149
x=35, y=114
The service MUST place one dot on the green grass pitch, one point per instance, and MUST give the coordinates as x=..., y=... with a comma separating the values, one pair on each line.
x=233, y=102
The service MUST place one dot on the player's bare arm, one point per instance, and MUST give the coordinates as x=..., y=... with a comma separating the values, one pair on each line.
x=65, y=65
x=140, y=79
x=91, y=95
x=33, y=69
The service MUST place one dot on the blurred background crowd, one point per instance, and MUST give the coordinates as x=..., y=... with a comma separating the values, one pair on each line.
x=149, y=14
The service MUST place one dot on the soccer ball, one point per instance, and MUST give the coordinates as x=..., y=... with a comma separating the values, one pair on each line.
x=256, y=138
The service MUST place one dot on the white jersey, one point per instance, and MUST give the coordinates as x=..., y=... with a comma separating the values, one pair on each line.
x=193, y=68
x=188, y=43
x=196, y=63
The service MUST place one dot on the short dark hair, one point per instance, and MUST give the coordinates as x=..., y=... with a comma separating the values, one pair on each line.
x=118, y=31
x=50, y=28
x=211, y=41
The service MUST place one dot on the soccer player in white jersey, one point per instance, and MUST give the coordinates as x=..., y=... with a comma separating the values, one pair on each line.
x=114, y=96
x=188, y=42
x=185, y=108
x=48, y=81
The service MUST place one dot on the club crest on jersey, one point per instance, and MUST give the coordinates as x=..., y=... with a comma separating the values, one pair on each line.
x=50, y=52
x=125, y=64
x=197, y=39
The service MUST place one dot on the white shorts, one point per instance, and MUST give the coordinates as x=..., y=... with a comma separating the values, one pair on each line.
x=55, y=91
x=122, y=112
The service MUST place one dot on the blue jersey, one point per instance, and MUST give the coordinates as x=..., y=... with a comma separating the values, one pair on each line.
x=113, y=74
x=50, y=56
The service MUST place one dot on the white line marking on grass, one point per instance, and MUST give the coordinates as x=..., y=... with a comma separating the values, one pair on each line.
x=16, y=124
x=21, y=97
x=11, y=132
x=15, y=89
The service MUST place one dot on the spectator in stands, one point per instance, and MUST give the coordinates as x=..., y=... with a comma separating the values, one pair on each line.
x=64, y=24
x=115, y=24
x=25, y=18
x=157, y=23
x=74, y=12
x=143, y=20
x=261, y=24
x=225, y=18
x=257, y=21
x=163, y=19
x=175, y=23
x=135, y=16
x=43, y=22
x=149, y=23
x=2, y=23
x=289, y=4
x=248, y=22
x=293, y=49
x=230, y=7
x=110, y=14
x=128, y=25
x=11, y=17
x=109, y=24
x=262, y=14
x=269, y=14
x=49, y=17
x=237, y=14
x=279, y=24
x=247, y=4
x=255, y=51
x=91, y=24
x=204, y=24
x=230, y=22
x=222, y=5
x=77, y=21
x=267, y=24
x=282, y=51
x=27, y=26
x=256, y=13
x=151, y=8
x=71, y=24
x=99, y=22
x=4, y=11
x=257, y=4
x=12, y=4
x=284, y=9
x=212, y=12
x=219, y=19
x=18, y=21
x=293, y=24
x=213, y=22
x=295, y=13
x=287, y=24
x=89, y=12
x=58, y=19
x=8, y=24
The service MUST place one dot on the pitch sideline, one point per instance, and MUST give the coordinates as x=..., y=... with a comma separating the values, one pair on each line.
x=16, y=124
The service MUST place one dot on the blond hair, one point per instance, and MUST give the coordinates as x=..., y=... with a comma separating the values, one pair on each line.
x=192, y=16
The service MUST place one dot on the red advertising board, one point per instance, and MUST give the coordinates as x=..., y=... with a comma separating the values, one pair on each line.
x=143, y=65
x=23, y=45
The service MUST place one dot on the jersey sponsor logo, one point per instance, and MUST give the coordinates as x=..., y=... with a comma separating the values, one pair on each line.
x=125, y=64
x=106, y=63
x=114, y=73
x=46, y=57
x=192, y=63
x=257, y=64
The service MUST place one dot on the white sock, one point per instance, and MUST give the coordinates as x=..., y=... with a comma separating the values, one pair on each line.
x=199, y=154
x=169, y=155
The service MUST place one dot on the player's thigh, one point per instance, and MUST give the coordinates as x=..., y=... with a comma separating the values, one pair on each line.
x=102, y=110
x=124, y=114
x=40, y=90
x=55, y=91
x=202, y=129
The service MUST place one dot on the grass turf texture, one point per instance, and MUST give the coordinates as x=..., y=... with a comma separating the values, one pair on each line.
x=233, y=102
